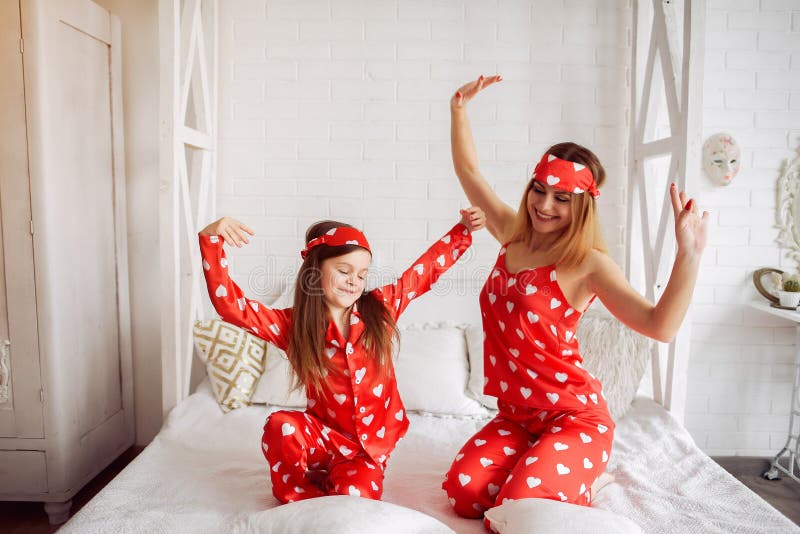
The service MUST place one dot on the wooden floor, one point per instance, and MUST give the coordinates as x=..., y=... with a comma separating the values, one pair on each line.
x=30, y=518
x=782, y=494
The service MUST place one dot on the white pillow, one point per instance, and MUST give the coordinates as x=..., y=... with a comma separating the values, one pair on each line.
x=340, y=514
x=275, y=384
x=611, y=351
x=433, y=370
x=532, y=516
x=616, y=355
x=475, y=338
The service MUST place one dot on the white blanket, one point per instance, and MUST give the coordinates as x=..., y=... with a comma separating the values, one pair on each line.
x=205, y=471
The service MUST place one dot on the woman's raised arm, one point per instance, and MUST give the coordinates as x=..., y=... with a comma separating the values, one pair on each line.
x=499, y=215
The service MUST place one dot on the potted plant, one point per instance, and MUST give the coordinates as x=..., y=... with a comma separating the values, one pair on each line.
x=790, y=294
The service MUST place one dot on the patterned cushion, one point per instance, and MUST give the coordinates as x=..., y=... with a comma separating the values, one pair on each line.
x=234, y=361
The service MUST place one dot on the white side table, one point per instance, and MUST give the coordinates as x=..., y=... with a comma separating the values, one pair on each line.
x=788, y=459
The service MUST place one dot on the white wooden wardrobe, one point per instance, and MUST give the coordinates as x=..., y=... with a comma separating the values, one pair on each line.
x=66, y=396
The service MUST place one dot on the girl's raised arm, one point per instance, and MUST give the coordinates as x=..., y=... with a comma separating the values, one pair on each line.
x=433, y=263
x=499, y=215
x=227, y=298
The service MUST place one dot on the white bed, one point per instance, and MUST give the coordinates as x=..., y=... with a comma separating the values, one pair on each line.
x=204, y=472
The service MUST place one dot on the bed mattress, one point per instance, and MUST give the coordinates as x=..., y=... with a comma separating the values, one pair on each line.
x=204, y=472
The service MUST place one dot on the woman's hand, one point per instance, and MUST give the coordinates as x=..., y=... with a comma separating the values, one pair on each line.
x=466, y=92
x=230, y=230
x=691, y=228
x=473, y=218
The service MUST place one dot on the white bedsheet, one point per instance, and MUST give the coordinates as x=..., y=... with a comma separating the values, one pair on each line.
x=205, y=471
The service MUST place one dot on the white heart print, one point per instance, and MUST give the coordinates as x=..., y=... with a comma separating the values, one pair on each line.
x=561, y=377
x=560, y=446
x=368, y=419
x=377, y=390
x=552, y=397
x=532, y=317
x=492, y=298
x=381, y=432
x=533, y=482
x=464, y=479
x=399, y=415
x=562, y=469
x=485, y=462
x=206, y=265
x=340, y=398
x=419, y=268
x=587, y=464
x=344, y=450
x=508, y=451
x=585, y=438
x=530, y=289
x=526, y=392
x=221, y=291
x=478, y=442
x=554, y=303
x=360, y=374
x=509, y=306
x=440, y=260
x=287, y=429
x=530, y=459
x=552, y=180
x=503, y=386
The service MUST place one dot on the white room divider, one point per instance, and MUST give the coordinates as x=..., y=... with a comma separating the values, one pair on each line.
x=665, y=146
x=189, y=79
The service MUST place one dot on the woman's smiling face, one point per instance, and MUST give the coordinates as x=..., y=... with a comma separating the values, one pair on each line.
x=548, y=208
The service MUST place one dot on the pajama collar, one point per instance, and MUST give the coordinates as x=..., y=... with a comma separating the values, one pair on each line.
x=337, y=237
x=565, y=175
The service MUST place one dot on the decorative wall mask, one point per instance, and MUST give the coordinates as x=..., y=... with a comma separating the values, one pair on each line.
x=721, y=155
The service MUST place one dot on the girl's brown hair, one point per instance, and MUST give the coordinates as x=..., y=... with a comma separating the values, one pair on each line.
x=583, y=233
x=306, y=349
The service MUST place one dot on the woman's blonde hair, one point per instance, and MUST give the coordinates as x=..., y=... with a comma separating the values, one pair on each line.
x=583, y=233
x=306, y=351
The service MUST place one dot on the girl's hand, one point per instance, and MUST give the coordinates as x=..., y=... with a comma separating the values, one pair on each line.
x=466, y=92
x=230, y=230
x=473, y=218
x=690, y=227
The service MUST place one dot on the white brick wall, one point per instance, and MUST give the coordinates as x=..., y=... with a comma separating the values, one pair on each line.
x=339, y=109
x=740, y=367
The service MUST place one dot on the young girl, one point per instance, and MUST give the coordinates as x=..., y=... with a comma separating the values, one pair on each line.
x=552, y=436
x=339, y=341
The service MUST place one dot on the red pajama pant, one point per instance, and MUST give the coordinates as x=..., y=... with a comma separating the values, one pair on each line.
x=529, y=452
x=304, y=463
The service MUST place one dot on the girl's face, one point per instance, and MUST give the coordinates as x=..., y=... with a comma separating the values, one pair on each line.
x=343, y=278
x=548, y=208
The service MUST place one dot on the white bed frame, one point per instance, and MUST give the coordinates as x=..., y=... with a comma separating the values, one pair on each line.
x=189, y=72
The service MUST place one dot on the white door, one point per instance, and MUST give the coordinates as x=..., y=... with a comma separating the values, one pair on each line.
x=20, y=383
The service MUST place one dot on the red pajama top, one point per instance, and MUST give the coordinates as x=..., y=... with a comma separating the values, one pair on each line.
x=360, y=406
x=530, y=352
